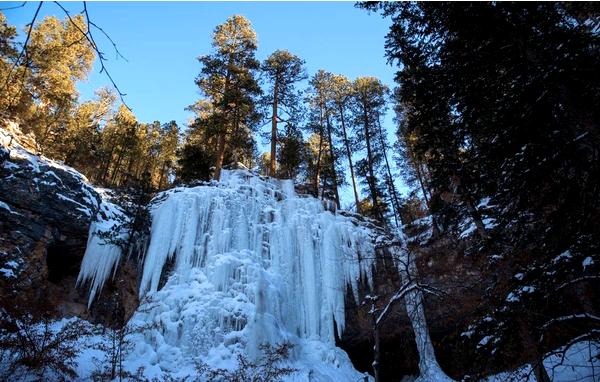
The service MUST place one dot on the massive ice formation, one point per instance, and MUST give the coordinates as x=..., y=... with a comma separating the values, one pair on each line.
x=244, y=262
x=248, y=261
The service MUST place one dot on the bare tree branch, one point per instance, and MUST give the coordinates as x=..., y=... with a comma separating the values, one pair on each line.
x=15, y=7
x=90, y=38
x=23, y=50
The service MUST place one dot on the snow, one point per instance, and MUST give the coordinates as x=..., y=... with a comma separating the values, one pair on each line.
x=587, y=262
x=8, y=273
x=468, y=231
x=83, y=208
x=578, y=364
x=484, y=203
x=7, y=207
x=484, y=341
x=21, y=146
x=528, y=289
x=566, y=255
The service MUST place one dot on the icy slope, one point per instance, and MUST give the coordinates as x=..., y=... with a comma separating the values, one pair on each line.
x=248, y=262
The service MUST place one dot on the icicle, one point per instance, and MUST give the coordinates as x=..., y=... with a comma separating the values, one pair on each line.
x=101, y=257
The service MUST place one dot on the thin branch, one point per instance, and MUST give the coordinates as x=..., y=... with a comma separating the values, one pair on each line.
x=107, y=36
x=90, y=38
x=409, y=286
x=24, y=49
x=15, y=7
x=571, y=317
x=577, y=280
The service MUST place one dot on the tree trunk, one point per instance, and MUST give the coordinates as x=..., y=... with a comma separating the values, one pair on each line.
x=371, y=181
x=541, y=375
x=108, y=160
x=391, y=186
x=435, y=229
x=116, y=168
x=376, y=348
x=220, y=155
x=273, y=164
x=349, y=154
x=222, y=140
x=318, y=169
x=532, y=348
x=162, y=175
x=332, y=155
x=475, y=215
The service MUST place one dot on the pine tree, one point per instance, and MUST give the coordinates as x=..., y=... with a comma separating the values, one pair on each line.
x=325, y=168
x=169, y=141
x=291, y=155
x=8, y=56
x=500, y=102
x=283, y=70
x=368, y=104
x=228, y=82
x=80, y=146
x=42, y=92
x=342, y=92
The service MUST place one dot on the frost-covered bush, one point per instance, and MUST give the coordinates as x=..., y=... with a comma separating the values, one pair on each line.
x=35, y=349
x=268, y=368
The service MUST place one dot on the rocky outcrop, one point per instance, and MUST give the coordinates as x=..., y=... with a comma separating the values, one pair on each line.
x=45, y=213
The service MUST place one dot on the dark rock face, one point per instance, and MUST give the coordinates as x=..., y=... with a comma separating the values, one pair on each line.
x=459, y=281
x=45, y=213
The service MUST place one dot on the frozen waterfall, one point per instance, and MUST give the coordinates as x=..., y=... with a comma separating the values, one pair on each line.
x=243, y=262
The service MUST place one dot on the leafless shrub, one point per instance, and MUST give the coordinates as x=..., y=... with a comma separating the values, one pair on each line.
x=32, y=348
x=266, y=369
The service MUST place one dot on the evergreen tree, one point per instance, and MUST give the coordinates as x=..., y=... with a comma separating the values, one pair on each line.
x=167, y=157
x=499, y=107
x=342, y=91
x=283, y=70
x=8, y=56
x=80, y=145
x=368, y=104
x=324, y=169
x=291, y=155
x=41, y=92
x=489, y=92
x=228, y=82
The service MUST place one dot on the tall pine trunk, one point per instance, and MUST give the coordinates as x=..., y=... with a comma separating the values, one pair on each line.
x=435, y=228
x=273, y=162
x=390, y=182
x=349, y=154
x=221, y=145
x=222, y=140
x=332, y=155
x=371, y=180
x=318, y=169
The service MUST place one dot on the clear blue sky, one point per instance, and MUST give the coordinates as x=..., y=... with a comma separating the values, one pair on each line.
x=162, y=40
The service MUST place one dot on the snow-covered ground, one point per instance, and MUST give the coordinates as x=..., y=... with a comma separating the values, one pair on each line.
x=579, y=363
